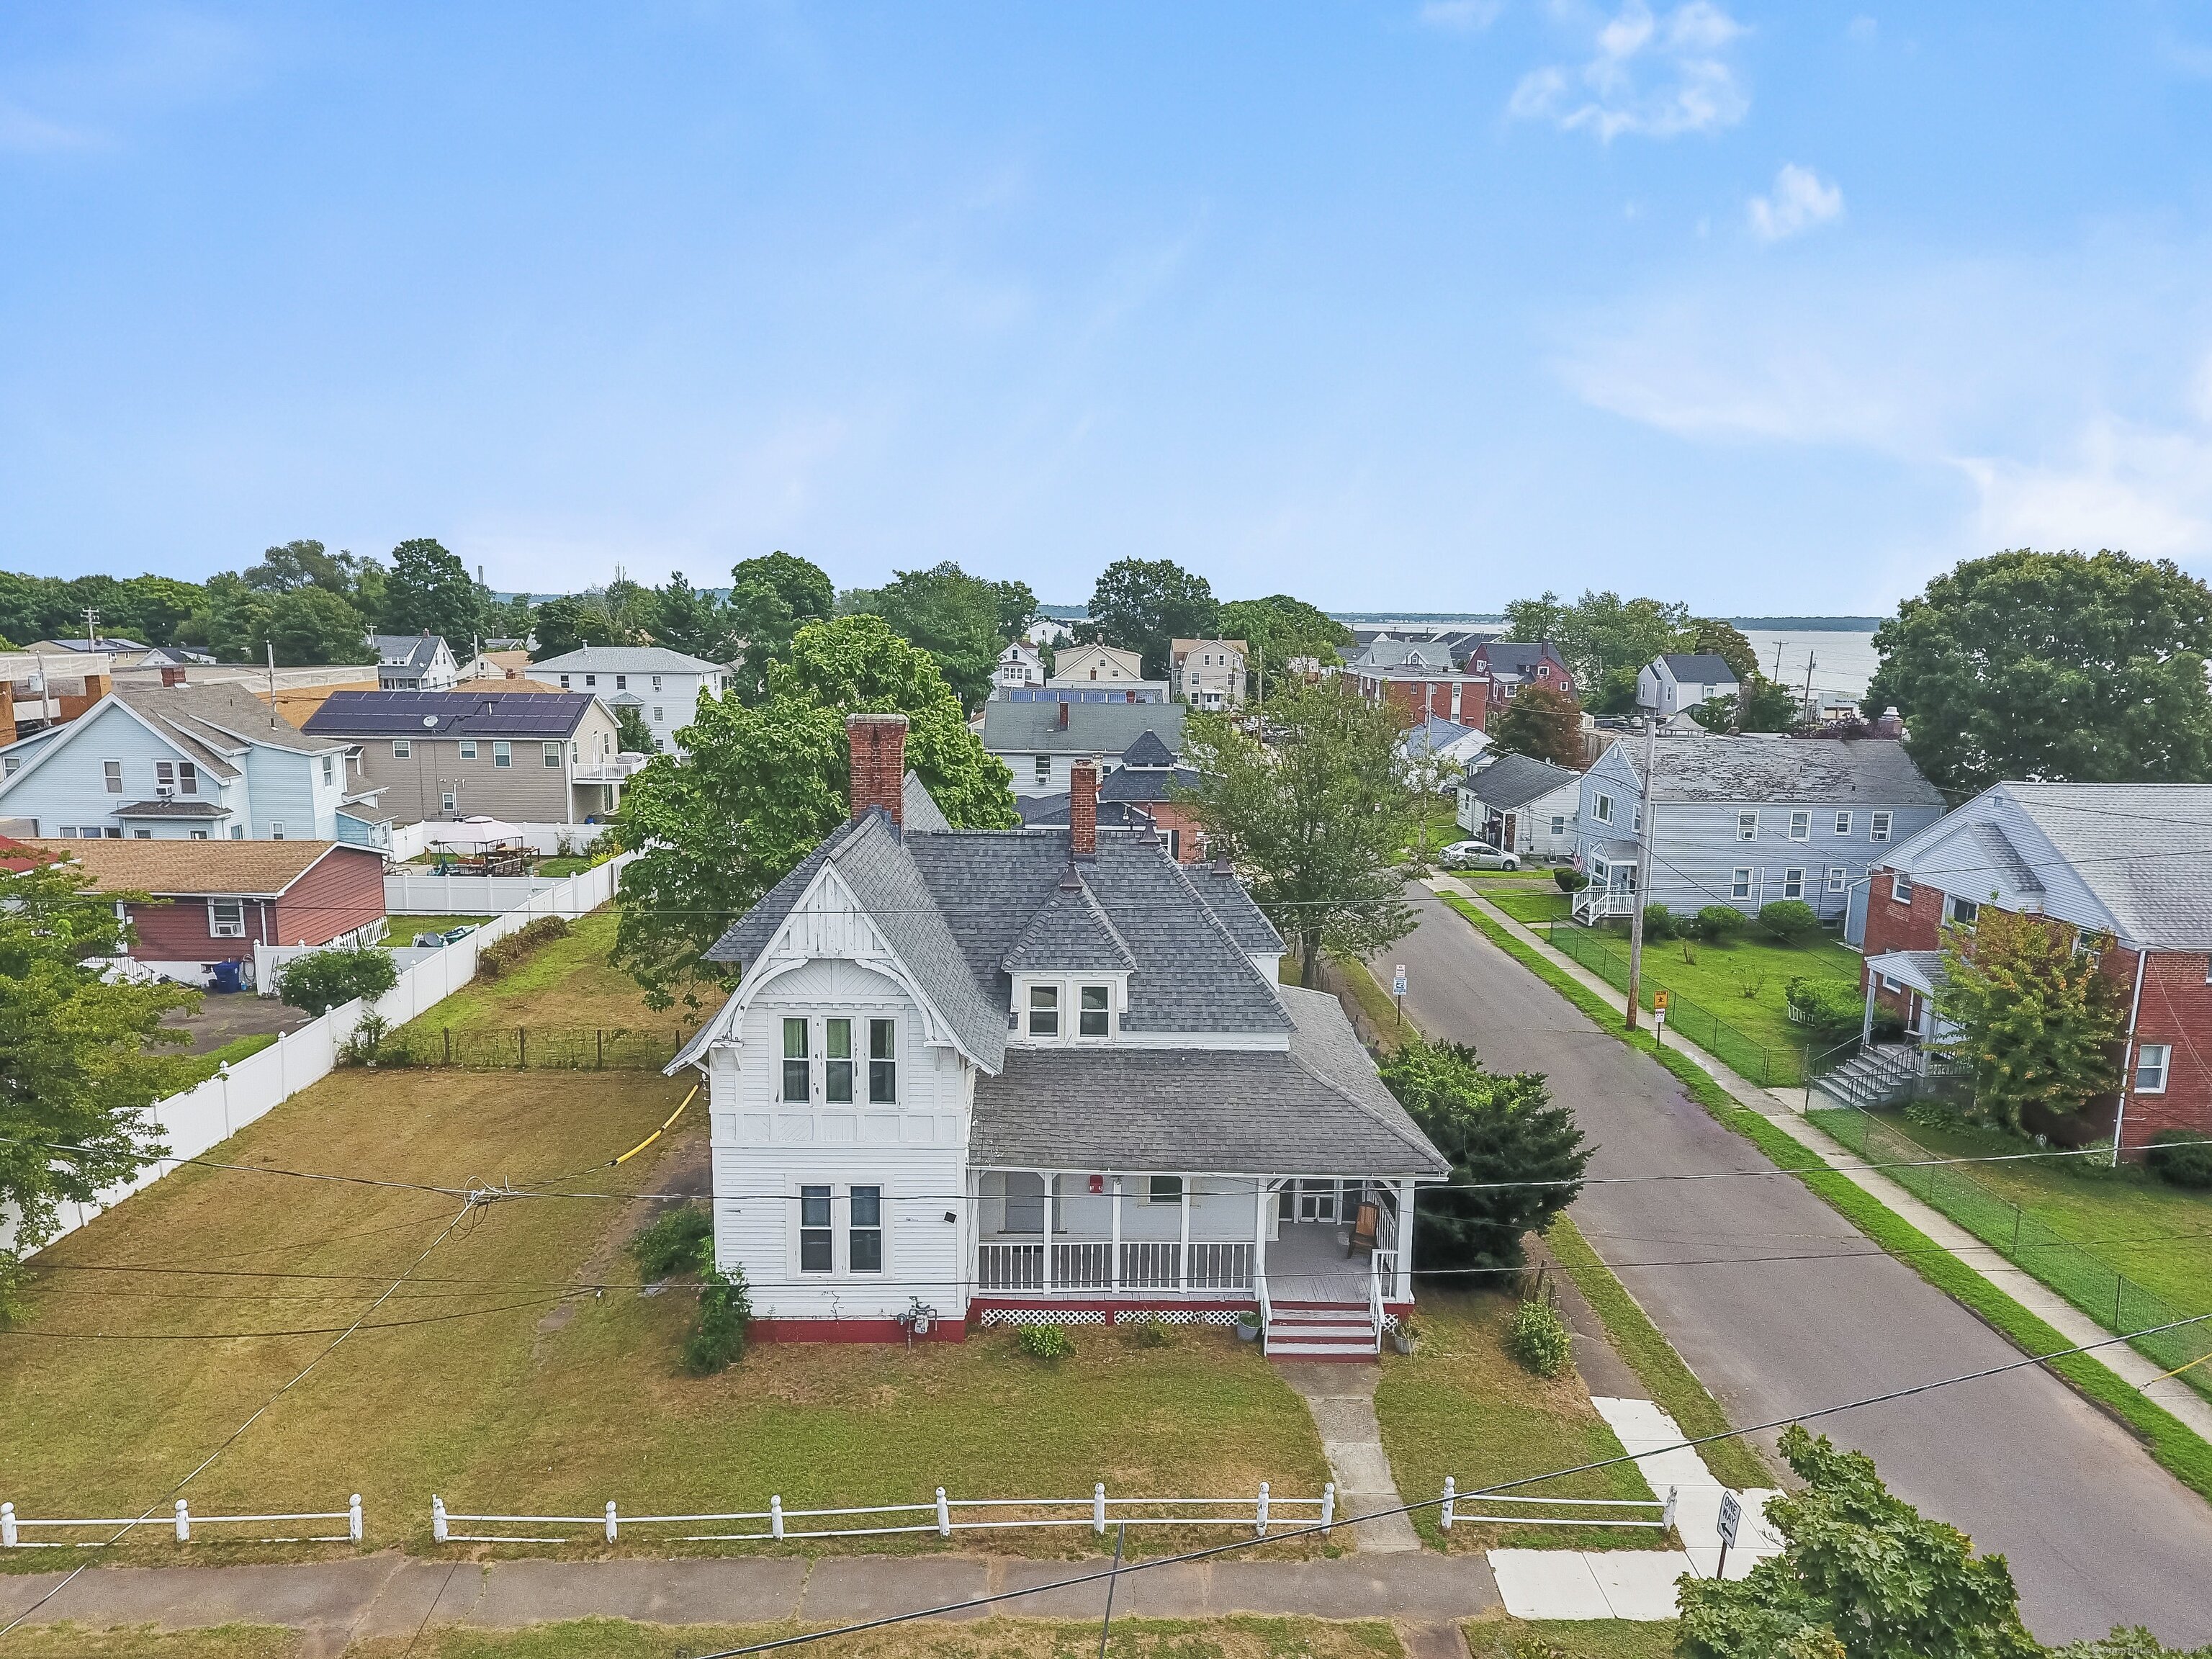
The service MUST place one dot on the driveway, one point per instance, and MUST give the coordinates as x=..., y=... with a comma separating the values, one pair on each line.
x=2097, y=1534
x=224, y=1016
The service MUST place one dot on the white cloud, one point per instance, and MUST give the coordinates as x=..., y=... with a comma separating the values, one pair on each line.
x=2119, y=483
x=1461, y=16
x=1800, y=201
x=1650, y=75
x=25, y=133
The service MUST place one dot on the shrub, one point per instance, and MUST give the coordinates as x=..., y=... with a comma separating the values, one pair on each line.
x=1570, y=881
x=1146, y=1330
x=1539, y=1339
x=1834, y=1008
x=321, y=980
x=503, y=955
x=1658, y=922
x=1719, y=922
x=362, y=1048
x=2181, y=1159
x=1788, y=919
x=718, y=1336
x=1048, y=1343
x=678, y=1241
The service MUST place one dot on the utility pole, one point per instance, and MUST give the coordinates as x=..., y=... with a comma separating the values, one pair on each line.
x=1810, y=712
x=271, y=645
x=1643, y=867
x=91, y=628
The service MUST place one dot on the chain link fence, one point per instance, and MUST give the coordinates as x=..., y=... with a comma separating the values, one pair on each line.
x=534, y=1048
x=2093, y=1286
x=1764, y=1063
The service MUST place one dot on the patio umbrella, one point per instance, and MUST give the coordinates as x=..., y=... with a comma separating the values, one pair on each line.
x=475, y=833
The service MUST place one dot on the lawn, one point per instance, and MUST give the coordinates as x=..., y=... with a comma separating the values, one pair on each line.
x=1569, y=1639
x=401, y=930
x=200, y=1067
x=1526, y=900
x=492, y=1380
x=568, y=985
x=1459, y=1406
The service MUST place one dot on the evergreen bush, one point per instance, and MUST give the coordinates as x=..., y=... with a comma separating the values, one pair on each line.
x=2181, y=1158
x=1719, y=922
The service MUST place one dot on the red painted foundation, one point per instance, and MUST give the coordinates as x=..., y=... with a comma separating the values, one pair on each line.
x=850, y=1330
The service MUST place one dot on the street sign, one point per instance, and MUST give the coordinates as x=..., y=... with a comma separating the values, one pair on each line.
x=1397, y=981
x=1731, y=1513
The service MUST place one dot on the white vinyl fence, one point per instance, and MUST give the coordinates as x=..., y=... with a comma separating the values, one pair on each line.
x=942, y=1517
x=410, y=893
x=191, y=1122
x=179, y=1525
x=1657, y=1514
x=411, y=841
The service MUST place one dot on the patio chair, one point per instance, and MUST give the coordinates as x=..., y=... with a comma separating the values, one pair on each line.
x=1363, y=1229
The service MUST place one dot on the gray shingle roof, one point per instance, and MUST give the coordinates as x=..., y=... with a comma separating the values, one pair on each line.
x=2144, y=851
x=1875, y=771
x=1519, y=656
x=623, y=659
x=406, y=650
x=1093, y=728
x=1142, y=783
x=172, y=809
x=1396, y=653
x=1231, y=904
x=222, y=715
x=1148, y=750
x=1699, y=668
x=1050, y=812
x=1318, y=1109
x=1069, y=933
x=918, y=808
x=1512, y=780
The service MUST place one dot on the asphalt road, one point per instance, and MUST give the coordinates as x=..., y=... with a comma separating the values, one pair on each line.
x=2097, y=1534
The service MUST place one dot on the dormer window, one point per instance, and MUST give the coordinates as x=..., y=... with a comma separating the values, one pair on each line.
x=1044, y=1010
x=1094, y=1019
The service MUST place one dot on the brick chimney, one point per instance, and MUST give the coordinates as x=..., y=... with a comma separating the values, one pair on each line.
x=877, y=743
x=1083, y=812
x=1891, y=724
x=173, y=673
x=1059, y=720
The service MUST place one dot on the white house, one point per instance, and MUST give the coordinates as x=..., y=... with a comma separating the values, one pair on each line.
x=414, y=662
x=1208, y=673
x=1009, y=1075
x=188, y=762
x=1453, y=744
x=1104, y=665
x=1519, y=804
x=1040, y=739
x=1018, y=665
x=663, y=686
x=1679, y=682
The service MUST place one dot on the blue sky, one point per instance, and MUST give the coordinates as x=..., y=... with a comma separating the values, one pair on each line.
x=1773, y=308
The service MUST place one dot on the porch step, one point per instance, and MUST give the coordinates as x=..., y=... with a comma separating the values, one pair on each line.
x=1320, y=1330
x=1279, y=1349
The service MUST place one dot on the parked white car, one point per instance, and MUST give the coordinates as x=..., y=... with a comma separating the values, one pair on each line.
x=1478, y=855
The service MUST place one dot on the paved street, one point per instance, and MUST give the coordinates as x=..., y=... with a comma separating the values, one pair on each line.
x=2097, y=1534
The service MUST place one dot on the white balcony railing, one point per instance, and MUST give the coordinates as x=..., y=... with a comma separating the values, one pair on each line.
x=1149, y=1266
x=1597, y=903
x=611, y=768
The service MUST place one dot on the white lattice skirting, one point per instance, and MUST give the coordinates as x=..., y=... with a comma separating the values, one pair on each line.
x=1222, y=1316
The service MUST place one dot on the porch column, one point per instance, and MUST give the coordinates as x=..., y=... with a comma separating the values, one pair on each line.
x=1866, y=1025
x=1114, y=1250
x=1403, y=1275
x=1260, y=1195
x=1048, y=1196
x=1183, y=1262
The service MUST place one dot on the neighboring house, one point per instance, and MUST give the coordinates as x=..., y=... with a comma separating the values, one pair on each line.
x=1026, y=1074
x=1424, y=680
x=1208, y=673
x=1140, y=793
x=1018, y=665
x=2125, y=860
x=1679, y=682
x=1519, y=804
x=528, y=757
x=414, y=662
x=1453, y=744
x=1040, y=741
x=1744, y=821
x=187, y=762
x=664, y=686
x=511, y=663
x=1082, y=664
x=1511, y=666
x=1419, y=691
x=215, y=904
x=41, y=689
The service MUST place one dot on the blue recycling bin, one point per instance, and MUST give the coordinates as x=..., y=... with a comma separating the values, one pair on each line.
x=229, y=976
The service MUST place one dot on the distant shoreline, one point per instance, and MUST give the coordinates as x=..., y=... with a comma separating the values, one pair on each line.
x=1492, y=618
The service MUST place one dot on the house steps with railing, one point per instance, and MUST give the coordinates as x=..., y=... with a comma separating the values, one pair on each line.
x=1876, y=1075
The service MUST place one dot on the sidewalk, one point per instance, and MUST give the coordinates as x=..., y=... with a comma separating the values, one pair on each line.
x=1786, y=1112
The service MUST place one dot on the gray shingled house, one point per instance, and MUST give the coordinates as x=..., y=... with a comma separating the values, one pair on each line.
x=1041, y=1073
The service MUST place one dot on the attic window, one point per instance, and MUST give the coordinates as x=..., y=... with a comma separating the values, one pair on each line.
x=1044, y=1010
x=1095, y=1016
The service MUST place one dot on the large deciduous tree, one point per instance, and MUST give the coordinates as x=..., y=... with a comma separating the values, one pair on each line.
x=962, y=621
x=766, y=781
x=1145, y=605
x=1497, y=1130
x=771, y=599
x=1280, y=631
x=79, y=1057
x=2052, y=666
x=2038, y=1020
x=1315, y=814
x=1605, y=639
x=430, y=591
x=1542, y=721
x=306, y=624
x=1863, y=1575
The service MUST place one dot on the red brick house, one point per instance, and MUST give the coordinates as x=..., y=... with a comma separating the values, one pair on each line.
x=2095, y=860
x=1420, y=680
x=214, y=900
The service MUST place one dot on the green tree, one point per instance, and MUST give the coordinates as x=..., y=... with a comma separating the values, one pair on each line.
x=692, y=620
x=1542, y=721
x=771, y=599
x=1760, y=705
x=766, y=781
x=80, y=1059
x=1863, y=1575
x=2038, y=1020
x=962, y=621
x=2052, y=666
x=33, y=607
x=1317, y=816
x=1144, y=604
x=632, y=731
x=430, y=591
x=302, y=564
x=1279, y=630
x=322, y=980
x=1712, y=637
x=152, y=608
x=1494, y=1128
x=1603, y=638
x=307, y=625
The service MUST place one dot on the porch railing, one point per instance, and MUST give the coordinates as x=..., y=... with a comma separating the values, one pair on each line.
x=1597, y=903
x=1145, y=1264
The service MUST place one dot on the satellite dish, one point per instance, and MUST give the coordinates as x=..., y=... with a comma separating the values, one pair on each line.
x=430, y=720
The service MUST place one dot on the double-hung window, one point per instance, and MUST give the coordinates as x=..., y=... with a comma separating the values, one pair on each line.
x=503, y=753
x=276, y=829
x=113, y=771
x=165, y=777
x=1838, y=877
x=329, y=770
x=1740, y=882
x=1878, y=826
x=402, y=748
x=883, y=1062
x=1601, y=808
x=1044, y=768
x=1842, y=823
x=1559, y=823
x=1792, y=883
x=1747, y=825
x=1095, y=1016
x=1900, y=888
x=622, y=681
x=1164, y=1189
x=864, y=1239
x=1801, y=826
x=227, y=918
x=468, y=748
x=552, y=752
x=656, y=682
x=814, y=1235
x=837, y=1061
x=796, y=1066
x=1964, y=912
x=1044, y=1010
x=2153, y=1061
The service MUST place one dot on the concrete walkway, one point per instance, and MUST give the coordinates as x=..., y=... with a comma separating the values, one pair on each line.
x=386, y=1596
x=1342, y=1401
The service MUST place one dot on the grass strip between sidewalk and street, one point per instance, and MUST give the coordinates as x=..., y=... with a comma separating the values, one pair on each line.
x=1674, y=1387
x=2170, y=1441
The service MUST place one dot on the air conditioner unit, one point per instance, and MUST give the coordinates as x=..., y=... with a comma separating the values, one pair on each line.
x=164, y=791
